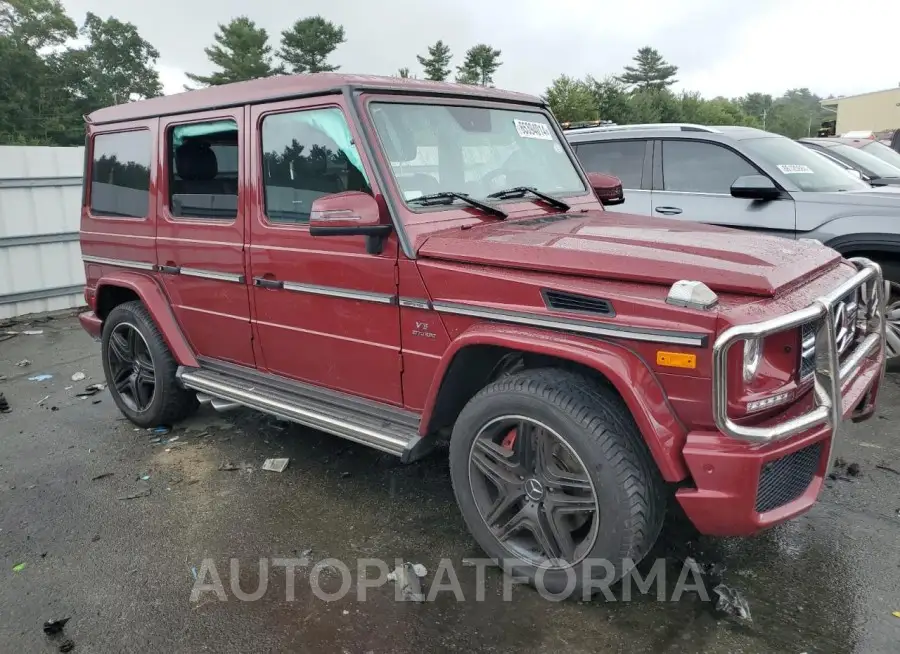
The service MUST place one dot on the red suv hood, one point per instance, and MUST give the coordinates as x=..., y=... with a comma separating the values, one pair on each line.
x=624, y=247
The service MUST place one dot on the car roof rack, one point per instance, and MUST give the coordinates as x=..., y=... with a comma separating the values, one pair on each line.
x=678, y=127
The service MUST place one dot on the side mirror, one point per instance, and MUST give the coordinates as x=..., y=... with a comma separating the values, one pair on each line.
x=607, y=188
x=350, y=213
x=755, y=187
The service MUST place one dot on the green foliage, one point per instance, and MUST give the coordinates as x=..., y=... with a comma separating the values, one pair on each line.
x=650, y=71
x=403, y=72
x=305, y=47
x=437, y=63
x=241, y=51
x=35, y=24
x=480, y=64
x=571, y=99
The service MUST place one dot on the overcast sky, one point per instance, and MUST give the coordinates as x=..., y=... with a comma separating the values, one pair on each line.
x=722, y=47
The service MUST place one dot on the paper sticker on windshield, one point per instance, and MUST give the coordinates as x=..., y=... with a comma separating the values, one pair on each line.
x=795, y=169
x=532, y=130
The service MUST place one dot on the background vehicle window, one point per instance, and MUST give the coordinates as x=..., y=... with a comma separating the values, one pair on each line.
x=624, y=159
x=203, y=170
x=883, y=152
x=805, y=168
x=869, y=163
x=701, y=167
x=307, y=154
x=120, y=174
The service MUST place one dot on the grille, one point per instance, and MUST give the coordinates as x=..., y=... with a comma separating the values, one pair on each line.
x=785, y=479
x=563, y=301
x=847, y=314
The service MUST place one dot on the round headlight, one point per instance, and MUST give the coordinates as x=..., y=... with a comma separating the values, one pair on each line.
x=752, y=357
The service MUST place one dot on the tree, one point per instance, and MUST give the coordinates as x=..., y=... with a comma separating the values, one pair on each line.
x=611, y=99
x=571, y=99
x=242, y=52
x=404, y=73
x=33, y=108
x=481, y=62
x=115, y=66
x=650, y=71
x=35, y=24
x=307, y=45
x=437, y=63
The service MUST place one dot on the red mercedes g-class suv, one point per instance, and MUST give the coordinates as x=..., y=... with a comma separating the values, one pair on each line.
x=393, y=261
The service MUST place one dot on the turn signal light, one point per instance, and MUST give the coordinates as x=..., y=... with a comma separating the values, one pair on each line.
x=676, y=360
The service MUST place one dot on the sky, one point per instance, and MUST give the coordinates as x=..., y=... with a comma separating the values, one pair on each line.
x=722, y=47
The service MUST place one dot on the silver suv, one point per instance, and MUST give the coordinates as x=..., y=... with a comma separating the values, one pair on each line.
x=750, y=179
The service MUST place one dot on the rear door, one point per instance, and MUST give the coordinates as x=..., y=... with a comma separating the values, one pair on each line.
x=325, y=310
x=629, y=160
x=200, y=231
x=692, y=181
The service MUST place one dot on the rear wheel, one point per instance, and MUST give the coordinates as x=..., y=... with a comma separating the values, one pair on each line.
x=554, y=480
x=140, y=369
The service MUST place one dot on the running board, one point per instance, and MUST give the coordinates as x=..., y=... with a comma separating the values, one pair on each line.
x=394, y=437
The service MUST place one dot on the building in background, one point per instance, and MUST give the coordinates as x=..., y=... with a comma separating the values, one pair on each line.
x=877, y=111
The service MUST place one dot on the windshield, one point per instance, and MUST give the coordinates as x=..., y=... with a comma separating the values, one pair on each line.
x=472, y=150
x=805, y=168
x=883, y=152
x=868, y=163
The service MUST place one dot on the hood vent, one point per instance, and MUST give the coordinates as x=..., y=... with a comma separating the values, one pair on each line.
x=573, y=302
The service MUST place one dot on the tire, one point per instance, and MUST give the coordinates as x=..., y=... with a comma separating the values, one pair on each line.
x=596, y=427
x=891, y=272
x=168, y=402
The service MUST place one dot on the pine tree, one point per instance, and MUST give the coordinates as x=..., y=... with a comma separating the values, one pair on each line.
x=241, y=51
x=481, y=62
x=306, y=47
x=650, y=71
x=437, y=63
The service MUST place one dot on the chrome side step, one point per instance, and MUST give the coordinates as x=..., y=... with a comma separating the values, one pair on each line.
x=394, y=437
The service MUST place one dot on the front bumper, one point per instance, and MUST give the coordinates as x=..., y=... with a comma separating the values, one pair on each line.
x=750, y=478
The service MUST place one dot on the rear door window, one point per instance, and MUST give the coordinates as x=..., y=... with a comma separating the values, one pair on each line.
x=624, y=159
x=203, y=170
x=695, y=167
x=120, y=174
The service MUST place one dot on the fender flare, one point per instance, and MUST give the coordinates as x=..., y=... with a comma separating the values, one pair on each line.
x=887, y=243
x=657, y=422
x=149, y=292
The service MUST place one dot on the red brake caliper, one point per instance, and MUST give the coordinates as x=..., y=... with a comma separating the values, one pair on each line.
x=509, y=440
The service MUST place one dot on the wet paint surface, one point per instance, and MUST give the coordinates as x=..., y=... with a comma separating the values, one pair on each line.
x=827, y=582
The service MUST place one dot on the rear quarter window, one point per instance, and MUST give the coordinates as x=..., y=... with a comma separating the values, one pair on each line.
x=120, y=174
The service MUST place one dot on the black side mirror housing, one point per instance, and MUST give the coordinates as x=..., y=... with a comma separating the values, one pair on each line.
x=755, y=187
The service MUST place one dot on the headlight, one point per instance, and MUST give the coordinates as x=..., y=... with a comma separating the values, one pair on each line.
x=752, y=357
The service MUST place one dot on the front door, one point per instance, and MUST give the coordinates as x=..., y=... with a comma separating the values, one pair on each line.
x=324, y=309
x=200, y=232
x=692, y=181
x=628, y=160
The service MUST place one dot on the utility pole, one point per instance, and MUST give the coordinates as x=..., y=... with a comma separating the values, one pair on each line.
x=764, y=114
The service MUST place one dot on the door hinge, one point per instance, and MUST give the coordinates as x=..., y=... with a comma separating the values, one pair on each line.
x=400, y=355
x=396, y=275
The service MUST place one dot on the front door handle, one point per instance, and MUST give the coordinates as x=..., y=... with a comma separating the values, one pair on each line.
x=263, y=282
x=668, y=211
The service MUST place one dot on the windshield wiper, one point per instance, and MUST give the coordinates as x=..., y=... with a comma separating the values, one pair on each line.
x=447, y=197
x=520, y=191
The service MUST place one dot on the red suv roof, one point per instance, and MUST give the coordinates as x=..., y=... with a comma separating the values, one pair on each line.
x=288, y=86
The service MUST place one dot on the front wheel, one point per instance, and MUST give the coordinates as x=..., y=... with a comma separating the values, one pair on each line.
x=891, y=274
x=554, y=481
x=140, y=369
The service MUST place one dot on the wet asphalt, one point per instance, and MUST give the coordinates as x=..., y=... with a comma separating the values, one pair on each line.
x=123, y=570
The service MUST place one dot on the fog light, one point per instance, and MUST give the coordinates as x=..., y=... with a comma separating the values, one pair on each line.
x=768, y=402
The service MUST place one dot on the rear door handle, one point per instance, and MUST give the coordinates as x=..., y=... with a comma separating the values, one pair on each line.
x=668, y=211
x=262, y=282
